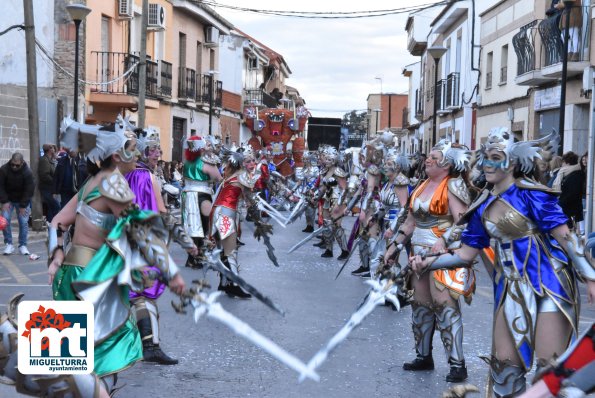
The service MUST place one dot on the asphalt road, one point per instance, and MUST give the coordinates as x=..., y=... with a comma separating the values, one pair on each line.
x=215, y=362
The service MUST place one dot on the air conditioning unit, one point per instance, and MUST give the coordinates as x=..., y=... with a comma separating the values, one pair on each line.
x=125, y=8
x=156, y=17
x=212, y=36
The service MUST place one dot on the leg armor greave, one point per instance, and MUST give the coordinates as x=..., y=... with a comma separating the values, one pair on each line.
x=364, y=253
x=450, y=323
x=373, y=259
x=50, y=386
x=340, y=237
x=147, y=309
x=234, y=266
x=423, y=323
x=310, y=213
x=508, y=379
x=328, y=239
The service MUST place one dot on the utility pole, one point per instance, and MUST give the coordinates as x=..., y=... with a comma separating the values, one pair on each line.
x=36, y=211
x=142, y=67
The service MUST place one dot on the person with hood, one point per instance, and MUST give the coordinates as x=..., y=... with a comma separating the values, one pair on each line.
x=16, y=191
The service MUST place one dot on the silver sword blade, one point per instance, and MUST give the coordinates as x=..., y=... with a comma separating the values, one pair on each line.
x=353, y=247
x=299, y=208
x=214, y=261
x=216, y=311
x=378, y=293
x=307, y=238
x=264, y=206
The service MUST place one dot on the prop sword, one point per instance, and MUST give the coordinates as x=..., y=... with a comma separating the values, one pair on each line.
x=274, y=213
x=320, y=230
x=214, y=261
x=204, y=304
x=381, y=290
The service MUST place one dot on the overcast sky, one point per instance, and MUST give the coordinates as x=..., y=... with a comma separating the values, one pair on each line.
x=334, y=63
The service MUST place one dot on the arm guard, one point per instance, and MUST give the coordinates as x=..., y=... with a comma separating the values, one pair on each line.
x=150, y=238
x=453, y=234
x=176, y=231
x=448, y=261
x=53, y=235
x=398, y=220
x=576, y=253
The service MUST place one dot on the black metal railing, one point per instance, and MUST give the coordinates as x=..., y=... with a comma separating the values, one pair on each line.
x=503, y=74
x=152, y=76
x=452, y=91
x=551, y=31
x=186, y=83
x=258, y=97
x=203, y=95
x=166, y=79
x=440, y=94
x=419, y=108
x=524, y=47
x=110, y=65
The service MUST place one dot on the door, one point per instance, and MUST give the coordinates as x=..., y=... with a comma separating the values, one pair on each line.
x=178, y=136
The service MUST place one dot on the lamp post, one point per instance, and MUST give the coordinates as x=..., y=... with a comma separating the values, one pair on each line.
x=435, y=52
x=380, y=79
x=78, y=13
x=211, y=77
x=567, y=7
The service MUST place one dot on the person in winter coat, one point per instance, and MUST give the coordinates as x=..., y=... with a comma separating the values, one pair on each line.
x=16, y=191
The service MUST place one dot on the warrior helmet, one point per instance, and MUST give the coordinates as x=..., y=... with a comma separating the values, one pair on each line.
x=457, y=157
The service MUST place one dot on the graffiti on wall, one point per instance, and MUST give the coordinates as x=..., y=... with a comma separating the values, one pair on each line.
x=10, y=143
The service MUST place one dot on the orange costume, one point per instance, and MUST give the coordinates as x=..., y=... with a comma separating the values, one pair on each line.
x=433, y=220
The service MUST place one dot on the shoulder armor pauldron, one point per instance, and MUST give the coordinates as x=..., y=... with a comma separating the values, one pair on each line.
x=533, y=185
x=458, y=188
x=373, y=170
x=116, y=188
x=401, y=180
x=248, y=180
x=211, y=158
x=483, y=196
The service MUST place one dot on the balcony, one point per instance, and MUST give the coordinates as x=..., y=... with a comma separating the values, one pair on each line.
x=186, y=84
x=526, y=46
x=419, y=108
x=117, y=80
x=552, y=45
x=257, y=97
x=204, y=95
x=447, y=91
x=165, y=78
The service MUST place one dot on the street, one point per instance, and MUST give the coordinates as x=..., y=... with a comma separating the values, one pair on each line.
x=214, y=362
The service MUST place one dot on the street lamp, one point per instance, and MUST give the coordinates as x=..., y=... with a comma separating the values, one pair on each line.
x=567, y=7
x=435, y=52
x=211, y=77
x=379, y=78
x=78, y=13
x=377, y=110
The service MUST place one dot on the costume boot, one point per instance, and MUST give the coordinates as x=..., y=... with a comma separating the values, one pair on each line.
x=151, y=351
x=147, y=316
x=450, y=324
x=230, y=288
x=328, y=243
x=423, y=322
x=507, y=380
x=342, y=241
x=364, y=256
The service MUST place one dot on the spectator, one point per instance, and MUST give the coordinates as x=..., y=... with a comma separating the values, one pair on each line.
x=71, y=173
x=176, y=175
x=554, y=168
x=45, y=175
x=16, y=191
x=575, y=24
x=570, y=182
x=540, y=173
x=584, y=163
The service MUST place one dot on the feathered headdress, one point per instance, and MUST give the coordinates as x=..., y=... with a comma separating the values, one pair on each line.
x=458, y=158
x=98, y=142
x=522, y=153
x=147, y=138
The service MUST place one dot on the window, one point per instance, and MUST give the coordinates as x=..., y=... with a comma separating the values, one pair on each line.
x=489, y=62
x=504, y=64
x=199, y=58
x=182, y=50
x=252, y=63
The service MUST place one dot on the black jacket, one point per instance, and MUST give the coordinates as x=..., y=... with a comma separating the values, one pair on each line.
x=16, y=185
x=63, y=177
x=571, y=198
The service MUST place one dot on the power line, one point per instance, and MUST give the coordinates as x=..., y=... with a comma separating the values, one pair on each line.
x=328, y=14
